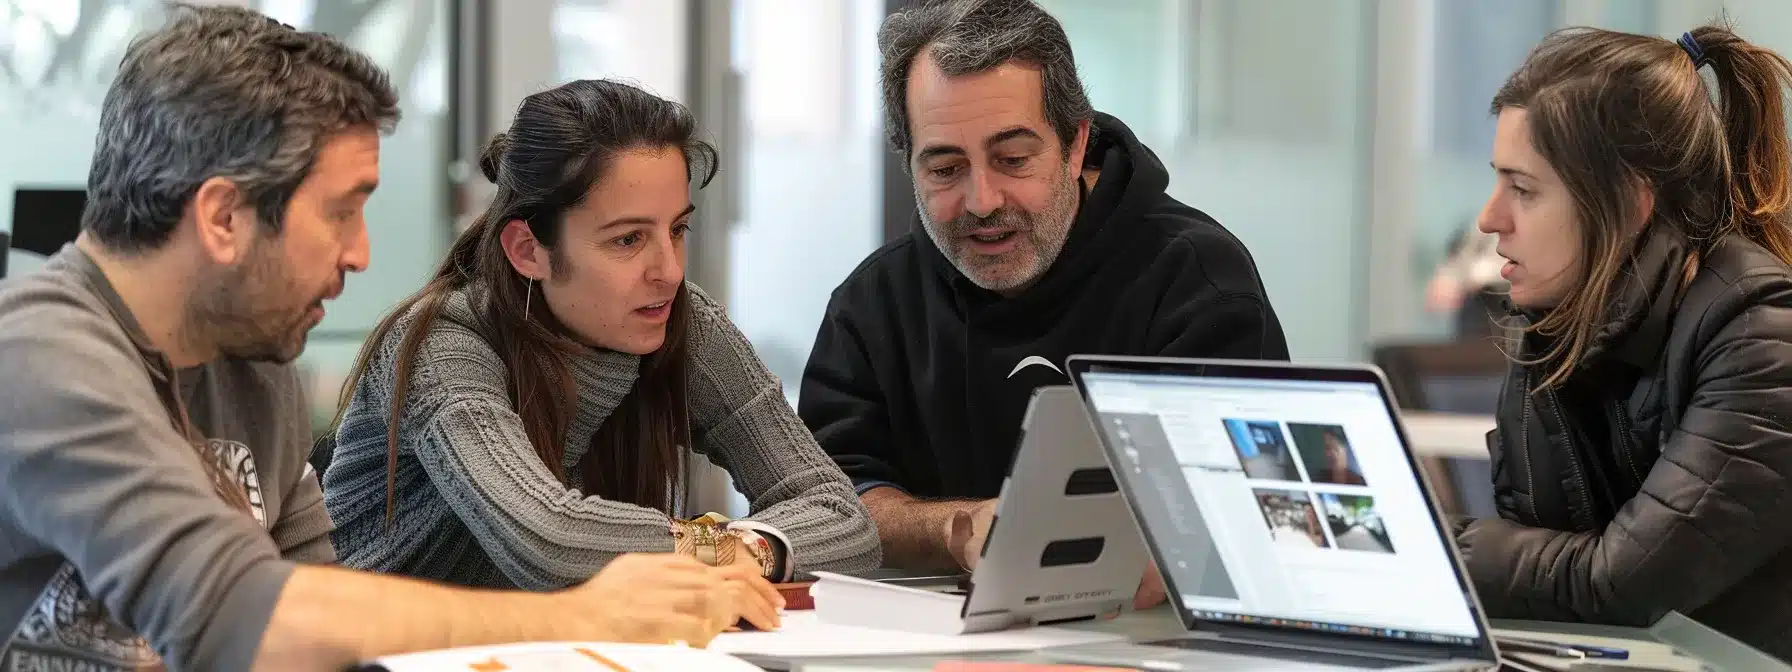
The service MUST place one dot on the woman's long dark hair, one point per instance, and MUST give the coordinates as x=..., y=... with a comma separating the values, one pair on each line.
x=560, y=146
x=1613, y=112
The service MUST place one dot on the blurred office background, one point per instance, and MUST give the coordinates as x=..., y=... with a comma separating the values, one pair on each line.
x=1345, y=141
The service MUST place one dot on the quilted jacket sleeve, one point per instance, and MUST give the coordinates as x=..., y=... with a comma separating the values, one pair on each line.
x=1712, y=509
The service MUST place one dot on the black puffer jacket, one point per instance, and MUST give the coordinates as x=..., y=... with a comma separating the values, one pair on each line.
x=1660, y=476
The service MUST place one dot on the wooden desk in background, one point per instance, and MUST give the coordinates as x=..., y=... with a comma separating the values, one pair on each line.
x=1440, y=439
x=1453, y=435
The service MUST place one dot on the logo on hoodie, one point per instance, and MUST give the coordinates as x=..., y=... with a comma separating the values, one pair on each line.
x=1035, y=360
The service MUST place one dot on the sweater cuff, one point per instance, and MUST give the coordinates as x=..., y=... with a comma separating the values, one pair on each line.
x=780, y=546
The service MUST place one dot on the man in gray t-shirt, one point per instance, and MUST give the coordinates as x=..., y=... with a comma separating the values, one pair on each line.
x=155, y=504
x=86, y=382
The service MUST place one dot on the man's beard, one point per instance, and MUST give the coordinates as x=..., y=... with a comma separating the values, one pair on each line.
x=1042, y=239
x=248, y=312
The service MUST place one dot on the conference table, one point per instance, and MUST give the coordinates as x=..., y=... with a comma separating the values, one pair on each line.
x=1673, y=643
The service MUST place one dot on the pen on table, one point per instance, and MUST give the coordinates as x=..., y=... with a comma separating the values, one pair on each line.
x=1539, y=648
x=1586, y=650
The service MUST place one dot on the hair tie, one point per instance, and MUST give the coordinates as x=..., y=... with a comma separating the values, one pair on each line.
x=1693, y=50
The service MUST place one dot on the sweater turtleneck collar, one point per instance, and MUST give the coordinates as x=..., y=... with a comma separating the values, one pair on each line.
x=603, y=378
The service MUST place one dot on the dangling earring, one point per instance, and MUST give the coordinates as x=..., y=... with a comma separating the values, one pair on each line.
x=528, y=295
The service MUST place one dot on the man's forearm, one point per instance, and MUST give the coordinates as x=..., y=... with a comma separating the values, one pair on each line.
x=329, y=619
x=912, y=530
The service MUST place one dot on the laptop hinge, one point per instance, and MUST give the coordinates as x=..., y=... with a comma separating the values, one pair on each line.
x=1300, y=642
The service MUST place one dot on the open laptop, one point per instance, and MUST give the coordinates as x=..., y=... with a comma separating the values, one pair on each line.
x=1292, y=524
x=1063, y=545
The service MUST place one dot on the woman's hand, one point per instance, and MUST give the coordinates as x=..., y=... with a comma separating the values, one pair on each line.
x=744, y=557
x=754, y=597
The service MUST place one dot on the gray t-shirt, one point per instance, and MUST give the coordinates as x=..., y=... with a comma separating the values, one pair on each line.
x=117, y=551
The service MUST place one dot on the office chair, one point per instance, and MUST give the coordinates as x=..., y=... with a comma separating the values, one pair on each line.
x=1457, y=377
x=322, y=449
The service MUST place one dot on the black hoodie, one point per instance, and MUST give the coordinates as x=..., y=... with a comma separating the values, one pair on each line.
x=919, y=378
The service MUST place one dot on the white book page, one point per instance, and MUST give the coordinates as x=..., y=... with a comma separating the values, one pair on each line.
x=565, y=657
x=804, y=635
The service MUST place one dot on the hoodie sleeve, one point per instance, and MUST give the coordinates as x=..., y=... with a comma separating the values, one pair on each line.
x=1214, y=305
x=841, y=403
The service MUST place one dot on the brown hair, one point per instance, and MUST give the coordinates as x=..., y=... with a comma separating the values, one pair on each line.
x=1614, y=112
x=221, y=92
x=559, y=147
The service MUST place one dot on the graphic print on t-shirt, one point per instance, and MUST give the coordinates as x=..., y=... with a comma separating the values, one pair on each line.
x=66, y=629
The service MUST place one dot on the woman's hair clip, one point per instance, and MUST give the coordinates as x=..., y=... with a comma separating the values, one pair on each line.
x=1693, y=50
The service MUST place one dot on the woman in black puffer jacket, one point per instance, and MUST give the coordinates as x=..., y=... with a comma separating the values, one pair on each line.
x=1643, y=456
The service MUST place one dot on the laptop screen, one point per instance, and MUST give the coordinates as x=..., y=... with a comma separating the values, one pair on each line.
x=1283, y=502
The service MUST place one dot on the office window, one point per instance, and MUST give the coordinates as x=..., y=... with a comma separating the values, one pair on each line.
x=57, y=58
x=1256, y=108
x=813, y=153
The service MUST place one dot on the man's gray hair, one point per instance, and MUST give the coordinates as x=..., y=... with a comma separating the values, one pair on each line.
x=972, y=36
x=221, y=92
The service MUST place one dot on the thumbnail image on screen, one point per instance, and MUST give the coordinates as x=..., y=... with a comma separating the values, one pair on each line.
x=1262, y=449
x=1291, y=518
x=1326, y=453
x=1355, y=524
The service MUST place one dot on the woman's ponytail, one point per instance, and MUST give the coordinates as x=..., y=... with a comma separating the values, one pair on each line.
x=1751, y=82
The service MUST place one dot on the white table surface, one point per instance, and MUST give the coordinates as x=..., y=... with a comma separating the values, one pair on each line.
x=1648, y=648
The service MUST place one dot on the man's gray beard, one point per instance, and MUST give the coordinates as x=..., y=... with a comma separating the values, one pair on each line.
x=239, y=312
x=1045, y=232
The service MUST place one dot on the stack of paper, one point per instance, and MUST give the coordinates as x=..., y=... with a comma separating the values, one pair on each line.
x=562, y=657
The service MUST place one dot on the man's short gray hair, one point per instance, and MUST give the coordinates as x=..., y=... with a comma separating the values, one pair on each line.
x=972, y=36
x=221, y=92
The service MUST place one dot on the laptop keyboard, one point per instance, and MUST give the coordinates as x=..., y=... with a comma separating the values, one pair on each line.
x=1277, y=653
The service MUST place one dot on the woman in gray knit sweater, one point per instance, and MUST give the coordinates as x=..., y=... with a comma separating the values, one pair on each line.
x=524, y=419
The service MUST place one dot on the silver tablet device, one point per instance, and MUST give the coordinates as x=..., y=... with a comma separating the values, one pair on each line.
x=1063, y=546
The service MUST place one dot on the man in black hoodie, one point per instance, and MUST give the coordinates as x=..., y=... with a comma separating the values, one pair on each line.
x=1045, y=232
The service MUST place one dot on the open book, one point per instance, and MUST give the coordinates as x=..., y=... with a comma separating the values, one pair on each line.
x=562, y=657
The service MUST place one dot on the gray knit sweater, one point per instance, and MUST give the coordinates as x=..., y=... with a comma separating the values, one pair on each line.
x=476, y=506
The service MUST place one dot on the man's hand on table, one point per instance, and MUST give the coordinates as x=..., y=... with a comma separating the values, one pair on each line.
x=655, y=599
x=755, y=599
x=1151, y=588
x=966, y=531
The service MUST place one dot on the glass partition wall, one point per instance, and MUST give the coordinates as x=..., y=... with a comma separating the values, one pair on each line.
x=57, y=57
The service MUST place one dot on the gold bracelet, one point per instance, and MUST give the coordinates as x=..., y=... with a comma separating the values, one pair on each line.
x=762, y=552
x=704, y=538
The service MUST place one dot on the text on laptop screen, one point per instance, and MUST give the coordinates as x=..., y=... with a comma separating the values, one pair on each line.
x=1283, y=503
